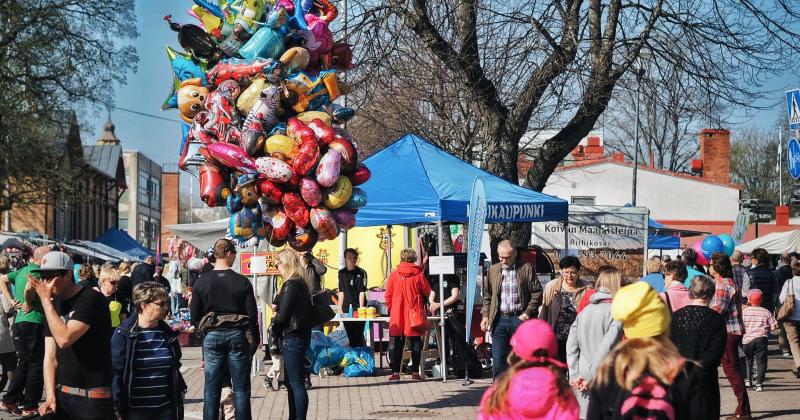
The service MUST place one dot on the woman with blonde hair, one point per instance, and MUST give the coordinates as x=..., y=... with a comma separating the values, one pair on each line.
x=293, y=330
x=108, y=283
x=645, y=376
x=406, y=290
x=593, y=334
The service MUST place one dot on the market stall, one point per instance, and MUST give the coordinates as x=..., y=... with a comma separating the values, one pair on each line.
x=774, y=243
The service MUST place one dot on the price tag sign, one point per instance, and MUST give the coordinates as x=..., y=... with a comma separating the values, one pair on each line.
x=259, y=263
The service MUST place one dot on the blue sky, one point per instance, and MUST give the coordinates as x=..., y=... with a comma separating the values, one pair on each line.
x=147, y=88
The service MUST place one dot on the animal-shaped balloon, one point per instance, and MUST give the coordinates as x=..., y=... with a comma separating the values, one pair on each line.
x=295, y=59
x=345, y=218
x=223, y=120
x=337, y=195
x=281, y=224
x=245, y=193
x=265, y=43
x=339, y=58
x=231, y=156
x=328, y=168
x=249, y=97
x=307, y=157
x=244, y=71
x=274, y=169
x=360, y=175
x=246, y=224
x=311, y=192
x=324, y=223
x=214, y=188
x=196, y=41
x=295, y=209
x=184, y=68
x=313, y=93
x=318, y=38
x=250, y=13
x=192, y=97
x=261, y=119
x=299, y=131
x=303, y=239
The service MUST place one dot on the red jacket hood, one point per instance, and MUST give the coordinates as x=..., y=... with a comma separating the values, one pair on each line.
x=407, y=269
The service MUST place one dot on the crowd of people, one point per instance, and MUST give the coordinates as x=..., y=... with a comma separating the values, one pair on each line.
x=635, y=348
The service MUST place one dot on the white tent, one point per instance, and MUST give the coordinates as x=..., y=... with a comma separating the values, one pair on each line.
x=201, y=235
x=774, y=243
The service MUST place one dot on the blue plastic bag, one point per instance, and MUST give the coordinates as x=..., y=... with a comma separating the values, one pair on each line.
x=359, y=362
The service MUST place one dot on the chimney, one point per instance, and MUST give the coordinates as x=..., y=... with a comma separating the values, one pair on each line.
x=715, y=154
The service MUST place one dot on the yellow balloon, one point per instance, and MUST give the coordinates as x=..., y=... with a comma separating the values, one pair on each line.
x=337, y=195
x=249, y=96
x=307, y=116
x=281, y=147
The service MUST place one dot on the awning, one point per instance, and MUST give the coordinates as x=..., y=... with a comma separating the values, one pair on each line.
x=89, y=252
x=105, y=249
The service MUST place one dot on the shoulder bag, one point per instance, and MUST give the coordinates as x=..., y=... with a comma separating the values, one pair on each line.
x=788, y=307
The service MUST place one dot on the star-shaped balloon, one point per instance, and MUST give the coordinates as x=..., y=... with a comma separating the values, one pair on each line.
x=184, y=67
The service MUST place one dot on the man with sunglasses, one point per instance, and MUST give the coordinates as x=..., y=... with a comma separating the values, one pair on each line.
x=217, y=294
x=77, y=355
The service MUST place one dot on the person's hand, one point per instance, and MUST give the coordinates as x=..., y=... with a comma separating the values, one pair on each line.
x=485, y=324
x=580, y=384
x=47, y=407
x=202, y=364
x=44, y=289
x=434, y=307
x=524, y=317
x=17, y=305
x=25, y=307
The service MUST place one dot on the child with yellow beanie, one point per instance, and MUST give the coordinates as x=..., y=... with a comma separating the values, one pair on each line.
x=645, y=376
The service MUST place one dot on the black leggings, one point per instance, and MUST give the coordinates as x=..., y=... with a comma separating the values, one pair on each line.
x=397, y=352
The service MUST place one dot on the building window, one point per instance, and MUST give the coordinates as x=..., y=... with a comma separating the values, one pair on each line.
x=143, y=189
x=123, y=224
x=583, y=200
x=155, y=193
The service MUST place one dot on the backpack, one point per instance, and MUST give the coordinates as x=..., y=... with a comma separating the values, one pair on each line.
x=648, y=400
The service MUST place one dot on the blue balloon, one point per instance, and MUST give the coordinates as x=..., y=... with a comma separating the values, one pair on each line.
x=266, y=43
x=711, y=244
x=727, y=243
x=357, y=199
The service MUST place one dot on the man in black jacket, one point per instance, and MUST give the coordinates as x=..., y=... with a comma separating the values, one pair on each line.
x=762, y=278
x=143, y=272
x=783, y=273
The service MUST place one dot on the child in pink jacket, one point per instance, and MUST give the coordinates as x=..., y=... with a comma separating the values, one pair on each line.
x=535, y=385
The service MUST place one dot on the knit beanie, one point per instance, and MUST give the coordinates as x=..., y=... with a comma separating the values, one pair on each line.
x=641, y=310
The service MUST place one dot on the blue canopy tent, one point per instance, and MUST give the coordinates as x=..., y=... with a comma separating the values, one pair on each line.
x=121, y=241
x=662, y=237
x=414, y=182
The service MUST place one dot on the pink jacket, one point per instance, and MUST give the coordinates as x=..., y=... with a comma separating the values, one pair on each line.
x=532, y=394
x=678, y=295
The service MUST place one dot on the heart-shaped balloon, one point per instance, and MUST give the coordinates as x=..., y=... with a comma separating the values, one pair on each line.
x=360, y=175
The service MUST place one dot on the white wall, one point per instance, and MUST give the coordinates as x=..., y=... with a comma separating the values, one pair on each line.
x=668, y=197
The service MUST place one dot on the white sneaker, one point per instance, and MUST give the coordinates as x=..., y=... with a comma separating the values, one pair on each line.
x=747, y=383
x=787, y=354
x=759, y=388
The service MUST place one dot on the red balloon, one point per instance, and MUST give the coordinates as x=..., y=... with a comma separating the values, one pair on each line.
x=324, y=223
x=295, y=209
x=281, y=225
x=271, y=193
x=307, y=158
x=310, y=191
x=324, y=133
x=348, y=152
x=214, y=188
x=360, y=175
x=299, y=131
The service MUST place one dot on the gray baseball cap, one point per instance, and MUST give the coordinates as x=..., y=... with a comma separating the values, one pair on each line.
x=55, y=261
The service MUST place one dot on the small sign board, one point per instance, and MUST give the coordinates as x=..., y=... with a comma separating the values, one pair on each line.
x=793, y=108
x=794, y=157
x=441, y=265
x=764, y=217
x=259, y=263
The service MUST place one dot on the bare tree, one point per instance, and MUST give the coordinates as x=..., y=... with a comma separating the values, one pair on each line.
x=754, y=164
x=523, y=64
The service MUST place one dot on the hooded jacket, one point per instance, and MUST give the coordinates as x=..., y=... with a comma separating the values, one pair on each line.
x=406, y=287
x=123, y=344
x=532, y=394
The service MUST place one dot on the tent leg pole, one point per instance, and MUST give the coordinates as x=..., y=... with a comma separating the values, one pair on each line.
x=342, y=247
x=441, y=345
x=389, y=249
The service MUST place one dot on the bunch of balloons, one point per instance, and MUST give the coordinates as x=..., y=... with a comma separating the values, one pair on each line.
x=255, y=88
x=713, y=243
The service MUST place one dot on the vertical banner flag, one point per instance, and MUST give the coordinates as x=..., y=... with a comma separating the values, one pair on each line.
x=477, y=218
x=740, y=226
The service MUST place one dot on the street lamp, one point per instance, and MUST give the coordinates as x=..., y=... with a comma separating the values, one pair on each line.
x=641, y=71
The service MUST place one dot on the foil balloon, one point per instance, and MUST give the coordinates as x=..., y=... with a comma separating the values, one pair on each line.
x=299, y=131
x=214, y=188
x=701, y=258
x=275, y=170
x=318, y=38
x=231, y=156
x=324, y=132
x=295, y=59
x=358, y=199
x=261, y=119
x=310, y=191
x=249, y=97
x=307, y=158
x=281, y=224
x=222, y=119
x=243, y=71
x=337, y=195
x=360, y=175
x=270, y=192
x=265, y=43
x=328, y=168
x=183, y=68
x=246, y=224
x=281, y=147
x=191, y=99
x=195, y=40
x=249, y=14
x=324, y=223
x=345, y=218
x=308, y=116
x=295, y=209
x=303, y=239
x=727, y=243
x=348, y=152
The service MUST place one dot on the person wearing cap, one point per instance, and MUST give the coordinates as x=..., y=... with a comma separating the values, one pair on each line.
x=699, y=333
x=77, y=358
x=223, y=291
x=593, y=334
x=727, y=301
x=656, y=381
x=535, y=385
x=512, y=294
x=758, y=322
x=26, y=385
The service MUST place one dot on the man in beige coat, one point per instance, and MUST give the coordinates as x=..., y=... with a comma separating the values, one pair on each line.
x=512, y=294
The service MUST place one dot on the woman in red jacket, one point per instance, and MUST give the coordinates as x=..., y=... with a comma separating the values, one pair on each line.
x=406, y=290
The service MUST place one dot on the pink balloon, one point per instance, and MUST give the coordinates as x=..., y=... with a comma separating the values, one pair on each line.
x=232, y=156
x=701, y=259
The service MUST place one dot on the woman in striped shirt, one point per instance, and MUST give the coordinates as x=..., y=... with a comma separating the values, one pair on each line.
x=146, y=359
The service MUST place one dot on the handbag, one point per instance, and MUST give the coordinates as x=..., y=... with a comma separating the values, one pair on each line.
x=416, y=318
x=321, y=311
x=788, y=307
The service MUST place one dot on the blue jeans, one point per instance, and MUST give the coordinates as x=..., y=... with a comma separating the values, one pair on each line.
x=175, y=302
x=226, y=349
x=293, y=352
x=501, y=342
